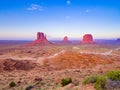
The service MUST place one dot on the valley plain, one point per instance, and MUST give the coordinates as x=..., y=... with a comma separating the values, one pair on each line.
x=43, y=67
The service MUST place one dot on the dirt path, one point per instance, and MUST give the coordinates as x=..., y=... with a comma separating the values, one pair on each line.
x=104, y=53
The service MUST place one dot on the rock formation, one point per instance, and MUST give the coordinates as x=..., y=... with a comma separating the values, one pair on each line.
x=88, y=38
x=10, y=65
x=65, y=40
x=41, y=39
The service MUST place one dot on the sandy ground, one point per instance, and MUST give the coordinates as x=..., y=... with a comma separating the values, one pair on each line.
x=43, y=68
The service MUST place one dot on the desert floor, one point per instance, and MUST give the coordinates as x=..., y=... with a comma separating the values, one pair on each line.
x=43, y=67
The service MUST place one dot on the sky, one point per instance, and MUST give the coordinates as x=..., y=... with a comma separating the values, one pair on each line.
x=22, y=19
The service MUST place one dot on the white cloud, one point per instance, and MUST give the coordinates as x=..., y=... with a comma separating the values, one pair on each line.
x=68, y=2
x=35, y=7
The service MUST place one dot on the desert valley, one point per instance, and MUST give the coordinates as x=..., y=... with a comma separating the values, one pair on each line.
x=41, y=65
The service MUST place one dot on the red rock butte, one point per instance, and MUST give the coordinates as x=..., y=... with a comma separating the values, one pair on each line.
x=65, y=40
x=41, y=39
x=88, y=39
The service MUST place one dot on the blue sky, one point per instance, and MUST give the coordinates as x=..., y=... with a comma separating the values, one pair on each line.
x=21, y=19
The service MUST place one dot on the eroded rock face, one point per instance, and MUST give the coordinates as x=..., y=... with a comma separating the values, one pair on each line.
x=88, y=38
x=40, y=35
x=65, y=40
x=41, y=39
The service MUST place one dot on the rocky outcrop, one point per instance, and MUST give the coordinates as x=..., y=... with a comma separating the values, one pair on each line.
x=41, y=39
x=65, y=40
x=10, y=65
x=88, y=39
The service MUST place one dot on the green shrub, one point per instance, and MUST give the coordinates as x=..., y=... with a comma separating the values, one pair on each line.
x=114, y=75
x=100, y=83
x=107, y=82
x=90, y=79
x=12, y=84
x=66, y=81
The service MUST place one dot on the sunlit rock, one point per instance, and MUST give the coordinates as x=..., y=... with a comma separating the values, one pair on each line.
x=65, y=40
x=41, y=39
x=88, y=38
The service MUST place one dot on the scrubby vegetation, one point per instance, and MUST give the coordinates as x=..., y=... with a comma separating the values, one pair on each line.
x=114, y=75
x=12, y=84
x=90, y=79
x=66, y=81
x=110, y=81
x=100, y=82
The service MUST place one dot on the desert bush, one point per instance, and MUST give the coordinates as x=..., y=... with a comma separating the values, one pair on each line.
x=12, y=84
x=90, y=79
x=110, y=81
x=112, y=85
x=114, y=75
x=100, y=82
x=66, y=81
x=113, y=82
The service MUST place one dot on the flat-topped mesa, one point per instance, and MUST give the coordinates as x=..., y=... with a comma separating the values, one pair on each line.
x=88, y=39
x=41, y=39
